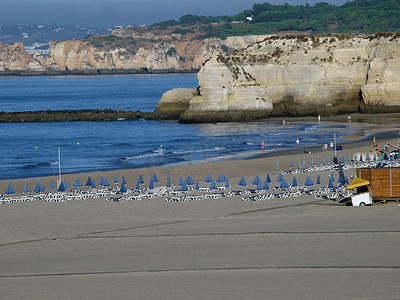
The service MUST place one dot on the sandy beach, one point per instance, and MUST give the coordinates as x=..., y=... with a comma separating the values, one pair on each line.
x=224, y=248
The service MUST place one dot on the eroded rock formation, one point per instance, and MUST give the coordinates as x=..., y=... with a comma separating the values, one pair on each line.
x=299, y=76
x=168, y=54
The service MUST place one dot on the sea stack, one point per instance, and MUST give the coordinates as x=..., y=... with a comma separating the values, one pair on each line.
x=300, y=76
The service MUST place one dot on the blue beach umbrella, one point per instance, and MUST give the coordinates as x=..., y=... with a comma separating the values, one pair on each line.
x=318, y=179
x=189, y=180
x=277, y=164
x=284, y=184
x=61, y=187
x=227, y=183
x=361, y=158
x=140, y=179
x=168, y=180
x=256, y=180
x=151, y=184
x=291, y=164
x=26, y=189
x=374, y=156
x=268, y=179
x=106, y=183
x=213, y=185
x=101, y=182
x=312, y=161
x=124, y=181
x=318, y=162
x=304, y=162
x=221, y=178
x=280, y=177
x=89, y=182
x=299, y=166
x=330, y=183
x=346, y=180
x=294, y=182
x=39, y=187
x=65, y=184
x=308, y=181
x=77, y=183
x=52, y=185
x=349, y=160
x=208, y=178
x=180, y=181
x=154, y=177
x=242, y=182
x=332, y=177
x=335, y=160
x=138, y=184
x=116, y=180
x=184, y=187
x=197, y=187
x=93, y=183
x=323, y=161
x=122, y=189
x=259, y=186
x=265, y=185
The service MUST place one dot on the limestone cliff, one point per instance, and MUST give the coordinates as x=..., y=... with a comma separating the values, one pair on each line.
x=298, y=76
x=166, y=54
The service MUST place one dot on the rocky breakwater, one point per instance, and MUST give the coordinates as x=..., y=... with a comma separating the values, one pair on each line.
x=300, y=76
x=120, y=53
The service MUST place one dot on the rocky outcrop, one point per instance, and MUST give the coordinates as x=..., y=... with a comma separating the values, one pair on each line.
x=168, y=54
x=299, y=76
x=175, y=102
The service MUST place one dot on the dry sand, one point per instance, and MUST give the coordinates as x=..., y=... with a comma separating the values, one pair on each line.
x=209, y=249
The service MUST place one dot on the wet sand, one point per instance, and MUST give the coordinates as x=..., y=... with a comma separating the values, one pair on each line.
x=209, y=249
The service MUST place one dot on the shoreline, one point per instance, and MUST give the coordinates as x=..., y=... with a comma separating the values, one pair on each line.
x=234, y=164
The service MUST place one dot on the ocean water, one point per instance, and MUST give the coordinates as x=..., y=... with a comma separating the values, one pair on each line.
x=31, y=149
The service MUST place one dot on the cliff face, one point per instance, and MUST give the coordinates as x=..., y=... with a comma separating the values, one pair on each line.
x=300, y=76
x=169, y=54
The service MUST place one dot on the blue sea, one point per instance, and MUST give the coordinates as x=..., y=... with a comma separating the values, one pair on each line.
x=31, y=149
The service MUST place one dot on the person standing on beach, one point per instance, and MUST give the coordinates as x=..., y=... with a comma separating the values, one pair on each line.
x=319, y=119
x=297, y=142
x=262, y=145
